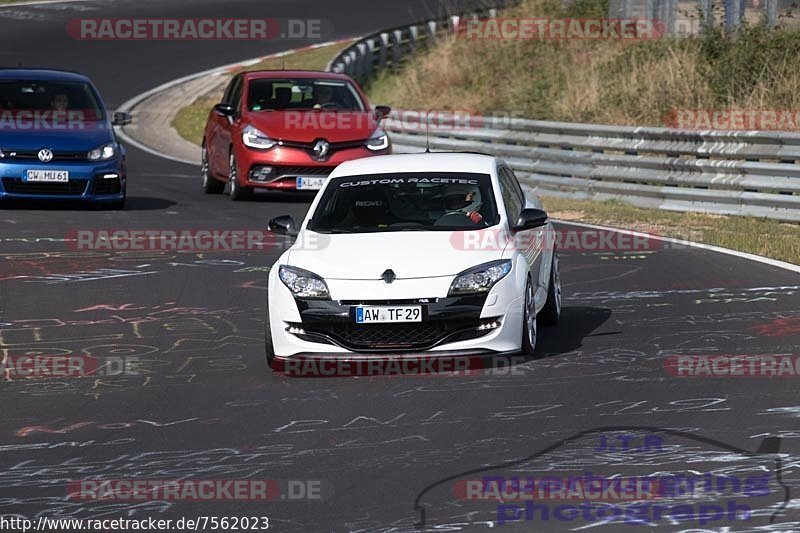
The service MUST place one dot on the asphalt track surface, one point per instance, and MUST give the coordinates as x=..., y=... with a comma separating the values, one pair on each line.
x=206, y=408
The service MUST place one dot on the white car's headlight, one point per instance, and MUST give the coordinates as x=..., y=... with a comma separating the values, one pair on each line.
x=480, y=279
x=302, y=283
x=378, y=141
x=255, y=138
x=102, y=153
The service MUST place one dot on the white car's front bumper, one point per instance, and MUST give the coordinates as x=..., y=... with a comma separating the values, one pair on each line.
x=327, y=329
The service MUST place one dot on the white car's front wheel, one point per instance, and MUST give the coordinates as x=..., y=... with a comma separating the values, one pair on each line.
x=269, y=349
x=529, y=327
x=551, y=312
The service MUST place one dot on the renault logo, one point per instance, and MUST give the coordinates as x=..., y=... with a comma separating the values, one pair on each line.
x=388, y=276
x=321, y=149
x=45, y=155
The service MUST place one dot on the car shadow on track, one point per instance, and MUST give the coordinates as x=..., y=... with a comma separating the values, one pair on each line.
x=284, y=197
x=576, y=324
x=132, y=203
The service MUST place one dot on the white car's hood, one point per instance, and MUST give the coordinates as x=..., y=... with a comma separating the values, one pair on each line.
x=410, y=254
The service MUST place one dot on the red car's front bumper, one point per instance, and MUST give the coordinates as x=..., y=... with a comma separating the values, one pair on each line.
x=278, y=168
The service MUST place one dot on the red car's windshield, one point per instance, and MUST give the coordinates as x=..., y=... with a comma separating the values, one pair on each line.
x=298, y=94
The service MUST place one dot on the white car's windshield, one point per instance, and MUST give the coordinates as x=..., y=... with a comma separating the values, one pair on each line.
x=406, y=202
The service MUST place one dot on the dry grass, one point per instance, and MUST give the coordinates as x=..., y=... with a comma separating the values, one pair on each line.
x=605, y=81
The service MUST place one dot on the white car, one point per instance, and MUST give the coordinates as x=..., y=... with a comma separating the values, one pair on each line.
x=431, y=254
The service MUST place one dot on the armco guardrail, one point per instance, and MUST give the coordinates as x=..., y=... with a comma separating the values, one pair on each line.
x=747, y=173
x=724, y=172
x=389, y=48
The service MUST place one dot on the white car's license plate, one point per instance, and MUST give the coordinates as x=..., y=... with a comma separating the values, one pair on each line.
x=310, y=184
x=57, y=176
x=367, y=315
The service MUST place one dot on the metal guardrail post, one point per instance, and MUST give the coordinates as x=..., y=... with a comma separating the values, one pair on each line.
x=667, y=12
x=706, y=8
x=369, y=57
x=412, y=39
x=620, y=9
x=361, y=61
x=451, y=24
x=395, y=39
x=383, y=48
x=430, y=28
x=772, y=13
x=734, y=14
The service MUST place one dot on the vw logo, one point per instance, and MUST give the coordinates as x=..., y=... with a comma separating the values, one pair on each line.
x=321, y=149
x=45, y=155
x=388, y=276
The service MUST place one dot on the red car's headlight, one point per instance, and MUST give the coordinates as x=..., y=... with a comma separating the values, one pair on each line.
x=255, y=138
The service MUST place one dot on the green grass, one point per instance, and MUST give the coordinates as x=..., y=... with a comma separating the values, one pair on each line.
x=190, y=120
x=768, y=238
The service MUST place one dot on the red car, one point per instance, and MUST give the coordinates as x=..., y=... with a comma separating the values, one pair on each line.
x=287, y=130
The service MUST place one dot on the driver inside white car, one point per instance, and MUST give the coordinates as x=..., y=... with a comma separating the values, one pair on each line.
x=464, y=199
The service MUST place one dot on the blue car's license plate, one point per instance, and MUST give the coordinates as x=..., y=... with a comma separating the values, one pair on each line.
x=47, y=176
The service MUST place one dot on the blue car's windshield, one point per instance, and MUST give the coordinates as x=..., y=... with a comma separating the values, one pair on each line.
x=50, y=98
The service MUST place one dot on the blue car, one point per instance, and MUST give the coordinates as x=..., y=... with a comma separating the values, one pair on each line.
x=57, y=140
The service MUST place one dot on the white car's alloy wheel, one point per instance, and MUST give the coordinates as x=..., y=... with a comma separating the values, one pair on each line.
x=529, y=324
x=551, y=312
x=556, y=281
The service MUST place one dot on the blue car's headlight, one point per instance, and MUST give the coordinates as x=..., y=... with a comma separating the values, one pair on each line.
x=103, y=153
x=480, y=279
x=302, y=283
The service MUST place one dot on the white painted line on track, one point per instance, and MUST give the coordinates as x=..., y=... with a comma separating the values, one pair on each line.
x=710, y=247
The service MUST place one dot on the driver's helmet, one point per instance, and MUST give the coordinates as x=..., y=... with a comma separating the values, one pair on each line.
x=463, y=198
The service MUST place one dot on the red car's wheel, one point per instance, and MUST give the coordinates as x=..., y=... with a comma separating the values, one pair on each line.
x=236, y=190
x=210, y=184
